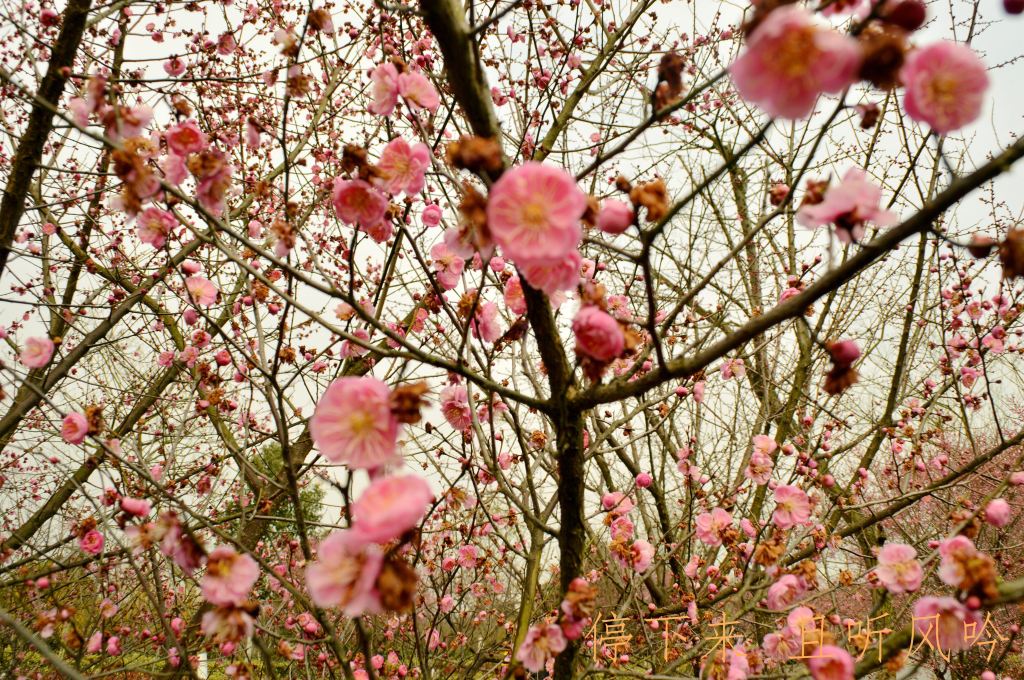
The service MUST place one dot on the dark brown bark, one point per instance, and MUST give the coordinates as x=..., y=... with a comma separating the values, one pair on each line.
x=40, y=123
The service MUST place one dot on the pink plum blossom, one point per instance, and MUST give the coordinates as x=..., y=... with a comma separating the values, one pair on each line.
x=455, y=407
x=358, y=203
x=829, y=662
x=174, y=168
x=174, y=67
x=848, y=206
x=201, y=290
x=552, y=275
x=417, y=91
x=91, y=542
x=898, y=569
x=614, y=216
x=154, y=225
x=227, y=625
x=213, y=178
x=790, y=60
x=786, y=590
x=388, y=84
x=431, y=215
x=642, y=554
x=759, y=468
x=534, y=211
x=513, y=296
x=617, y=503
x=353, y=423
x=185, y=138
x=598, y=335
x=997, y=512
x=229, y=576
x=139, y=507
x=945, y=85
x=485, y=322
x=383, y=89
x=955, y=553
x=402, y=166
x=710, y=526
x=37, y=352
x=390, y=507
x=447, y=264
x=542, y=642
x=792, y=506
x=74, y=428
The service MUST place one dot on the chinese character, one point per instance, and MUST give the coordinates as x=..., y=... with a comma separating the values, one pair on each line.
x=862, y=638
x=812, y=636
x=972, y=634
x=669, y=632
x=928, y=634
x=724, y=640
x=614, y=638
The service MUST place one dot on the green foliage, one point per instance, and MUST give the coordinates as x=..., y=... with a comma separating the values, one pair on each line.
x=270, y=463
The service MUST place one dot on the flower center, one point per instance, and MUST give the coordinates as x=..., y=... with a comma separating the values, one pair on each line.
x=360, y=423
x=534, y=215
x=943, y=89
x=796, y=53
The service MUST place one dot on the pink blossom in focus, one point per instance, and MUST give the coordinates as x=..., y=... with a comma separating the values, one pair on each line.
x=792, y=506
x=617, y=503
x=229, y=576
x=154, y=225
x=710, y=526
x=213, y=178
x=848, y=206
x=353, y=423
x=447, y=264
x=542, y=642
x=764, y=444
x=534, y=211
x=955, y=553
x=384, y=89
x=174, y=168
x=785, y=591
x=174, y=67
x=74, y=428
x=185, y=138
x=790, y=60
x=642, y=555
x=455, y=407
x=431, y=215
x=201, y=290
x=417, y=91
x=513, y=295
x=358, y=203
x=598, y=335
x=945, y=85
x=614, y=216
x=485, y=324
x=898, y=569
x=402, y=166
x=759, y=469
x=92, y=542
